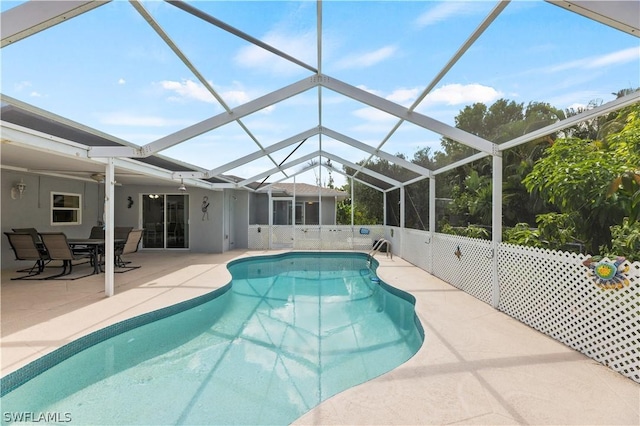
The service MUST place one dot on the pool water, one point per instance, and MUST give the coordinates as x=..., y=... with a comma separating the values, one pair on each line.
x=291, y=331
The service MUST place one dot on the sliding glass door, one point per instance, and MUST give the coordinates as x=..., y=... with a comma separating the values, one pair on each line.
x=165, y=219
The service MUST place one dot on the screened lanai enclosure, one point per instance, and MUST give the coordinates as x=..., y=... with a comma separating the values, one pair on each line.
x=330, y=125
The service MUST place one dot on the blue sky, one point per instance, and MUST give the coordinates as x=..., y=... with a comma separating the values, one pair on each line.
x=109, y=70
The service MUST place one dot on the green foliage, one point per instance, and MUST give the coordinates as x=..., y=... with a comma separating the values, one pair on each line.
x=625, y=188
x=523, y=235
x=575, y=175
x=503, y=121
x=472, y=199
x=343, y=212
x=367, y=207
x=471, y=231
x=625, y=241
x=577, y=184
x=557, y=230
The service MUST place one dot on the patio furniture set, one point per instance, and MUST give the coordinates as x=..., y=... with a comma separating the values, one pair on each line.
x=44, y=247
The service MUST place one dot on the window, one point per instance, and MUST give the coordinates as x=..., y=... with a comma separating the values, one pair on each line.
x=65, y=209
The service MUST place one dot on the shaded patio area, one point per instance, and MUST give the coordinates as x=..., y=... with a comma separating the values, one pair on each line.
x=476, y=366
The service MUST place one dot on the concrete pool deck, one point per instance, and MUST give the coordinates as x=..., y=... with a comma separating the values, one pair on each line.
x=476, y=366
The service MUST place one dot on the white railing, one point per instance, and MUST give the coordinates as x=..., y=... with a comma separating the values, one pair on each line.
x=553, y=292
x=378, y=245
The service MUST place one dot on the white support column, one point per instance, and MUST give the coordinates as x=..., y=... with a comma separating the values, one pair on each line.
x=402, y=207
x=402, y=211
x=320, y=194
x=384, y=209
x=352, y=202
x=496, y=223
x=270, y=219
x=109, y=192
x=293, y=213
x=432, y=220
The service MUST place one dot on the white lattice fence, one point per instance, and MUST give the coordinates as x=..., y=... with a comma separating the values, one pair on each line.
x=416, y=247
x=337, y=237
x=465, y=263
x=554, y=293
x=307, y=238
x=259, y=237
x=281, y=236
x=314, y=237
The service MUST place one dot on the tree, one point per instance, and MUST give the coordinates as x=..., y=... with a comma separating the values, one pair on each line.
x=576, y=175
x=503, y=121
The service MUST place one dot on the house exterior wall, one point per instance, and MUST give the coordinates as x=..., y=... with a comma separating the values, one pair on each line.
x=240, y=207
x=235, y=220
x=205, y=232
x=33, y=210
x=328, y=216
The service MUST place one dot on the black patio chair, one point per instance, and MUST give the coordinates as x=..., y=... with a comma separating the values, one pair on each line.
x=36, y=239
x=130, y=246
x=59, y=249
x=121, y=232
x=31, y=231
x=97, y=233
x=24, y=247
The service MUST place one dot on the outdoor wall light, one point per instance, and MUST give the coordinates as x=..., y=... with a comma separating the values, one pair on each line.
x=182, y=187
x=18, y=189
x=154, y=196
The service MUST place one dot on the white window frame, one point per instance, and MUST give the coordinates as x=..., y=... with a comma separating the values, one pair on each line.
x=76, y=209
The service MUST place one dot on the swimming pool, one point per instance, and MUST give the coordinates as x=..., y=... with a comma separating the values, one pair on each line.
x=288, y=332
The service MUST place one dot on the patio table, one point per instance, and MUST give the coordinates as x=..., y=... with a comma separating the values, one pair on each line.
x=95, y=245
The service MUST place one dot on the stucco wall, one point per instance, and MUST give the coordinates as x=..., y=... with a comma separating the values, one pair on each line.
x=33, y=210
x=206, y=232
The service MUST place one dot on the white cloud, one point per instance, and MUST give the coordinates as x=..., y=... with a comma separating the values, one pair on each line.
x=187, y=89
x=459, y=94
x=578, y=106
x=300, y=46
x=235, y=96
x=404, y=96
x=121, y=81
x=442, y=12
x=451, y=94
x=615, y=58
x=35, y=94
x=192, y=90
x=367, y=59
